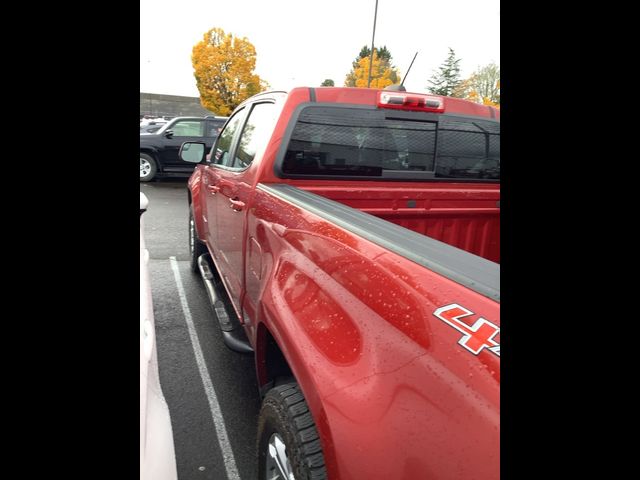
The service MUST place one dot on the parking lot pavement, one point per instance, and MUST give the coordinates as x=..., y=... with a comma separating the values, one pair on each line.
x=211, y=391
x=166, y=219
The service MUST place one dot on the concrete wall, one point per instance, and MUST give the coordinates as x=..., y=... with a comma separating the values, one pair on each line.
x=171, y=105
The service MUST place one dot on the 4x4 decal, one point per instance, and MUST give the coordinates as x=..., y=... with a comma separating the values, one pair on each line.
x=476, y=337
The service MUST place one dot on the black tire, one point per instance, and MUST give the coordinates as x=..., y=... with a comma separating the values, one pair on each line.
x=196, y=246
x=285, y=418
x=148, y=167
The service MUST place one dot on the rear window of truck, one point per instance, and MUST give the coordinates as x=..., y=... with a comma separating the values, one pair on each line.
x=329, y=141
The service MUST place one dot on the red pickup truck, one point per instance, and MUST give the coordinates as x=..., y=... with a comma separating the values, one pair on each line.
x=350, y=239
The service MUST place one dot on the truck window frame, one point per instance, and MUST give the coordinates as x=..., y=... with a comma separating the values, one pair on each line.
x=417, y=176
x=250, y=109
x=241, y=113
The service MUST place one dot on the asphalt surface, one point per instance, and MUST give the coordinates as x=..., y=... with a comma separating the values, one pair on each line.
x=199, y=451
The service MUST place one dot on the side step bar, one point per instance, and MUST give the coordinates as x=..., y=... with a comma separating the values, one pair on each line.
x=232, y=332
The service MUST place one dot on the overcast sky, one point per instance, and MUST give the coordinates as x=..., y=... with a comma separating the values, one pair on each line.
x=303, y=42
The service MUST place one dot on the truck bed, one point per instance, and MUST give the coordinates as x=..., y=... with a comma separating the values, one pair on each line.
x=464, y=216
x=358, y=295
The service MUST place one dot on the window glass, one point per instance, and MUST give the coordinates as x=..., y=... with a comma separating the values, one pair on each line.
x=223, y=145
x=343, y=141
x=214, y=127
x=256, y=133
x=468, y=149
x=188, y=128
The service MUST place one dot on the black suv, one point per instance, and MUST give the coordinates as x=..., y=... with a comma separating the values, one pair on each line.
x=159, y=151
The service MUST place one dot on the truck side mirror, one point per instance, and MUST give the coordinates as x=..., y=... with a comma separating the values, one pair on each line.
x=192, y=152
x=168, y=134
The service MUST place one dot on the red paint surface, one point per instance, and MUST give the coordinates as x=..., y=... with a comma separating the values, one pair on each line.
x=393, y=393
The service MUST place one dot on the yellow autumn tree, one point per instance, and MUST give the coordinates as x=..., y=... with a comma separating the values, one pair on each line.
x=223, y=67
x=383, y=73
x=483, y=86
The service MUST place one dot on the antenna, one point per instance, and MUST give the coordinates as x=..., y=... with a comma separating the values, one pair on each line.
x=375, y=16
x=405, y=75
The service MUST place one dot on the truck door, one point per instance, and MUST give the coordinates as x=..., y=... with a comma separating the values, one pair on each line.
x=220, y=159
x=235, y=189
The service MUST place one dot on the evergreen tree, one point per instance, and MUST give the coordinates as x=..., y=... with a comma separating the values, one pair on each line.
x=447, y=80
x=365, y=52
x=383, y=53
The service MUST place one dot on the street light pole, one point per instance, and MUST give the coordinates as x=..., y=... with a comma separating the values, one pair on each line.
x=375, y=16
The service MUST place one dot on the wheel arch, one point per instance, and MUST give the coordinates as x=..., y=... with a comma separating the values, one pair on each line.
x=153, y=153
x=272, y=364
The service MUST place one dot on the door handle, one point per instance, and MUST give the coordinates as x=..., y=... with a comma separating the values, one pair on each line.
x=213, y=188
x=237, y=205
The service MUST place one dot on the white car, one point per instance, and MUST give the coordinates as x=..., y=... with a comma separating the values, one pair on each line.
x=157, y=454
x=151, y=128
x=149, y=121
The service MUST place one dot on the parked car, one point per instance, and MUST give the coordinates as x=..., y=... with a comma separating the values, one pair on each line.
x=146, y=120
x=157, y=453
x=159, y=150
x=151, y=127
x=350, y=239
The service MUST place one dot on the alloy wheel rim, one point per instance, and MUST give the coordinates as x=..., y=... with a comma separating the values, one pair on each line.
x=278, y=465
x=145, y=167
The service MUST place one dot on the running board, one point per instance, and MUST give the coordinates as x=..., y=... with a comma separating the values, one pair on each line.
x=232, y=332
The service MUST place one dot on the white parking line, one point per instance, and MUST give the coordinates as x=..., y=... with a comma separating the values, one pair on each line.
x=223, y=438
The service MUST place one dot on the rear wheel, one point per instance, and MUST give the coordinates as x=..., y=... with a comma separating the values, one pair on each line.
x=288, y=443
x=148, y=167
x=196, y=247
